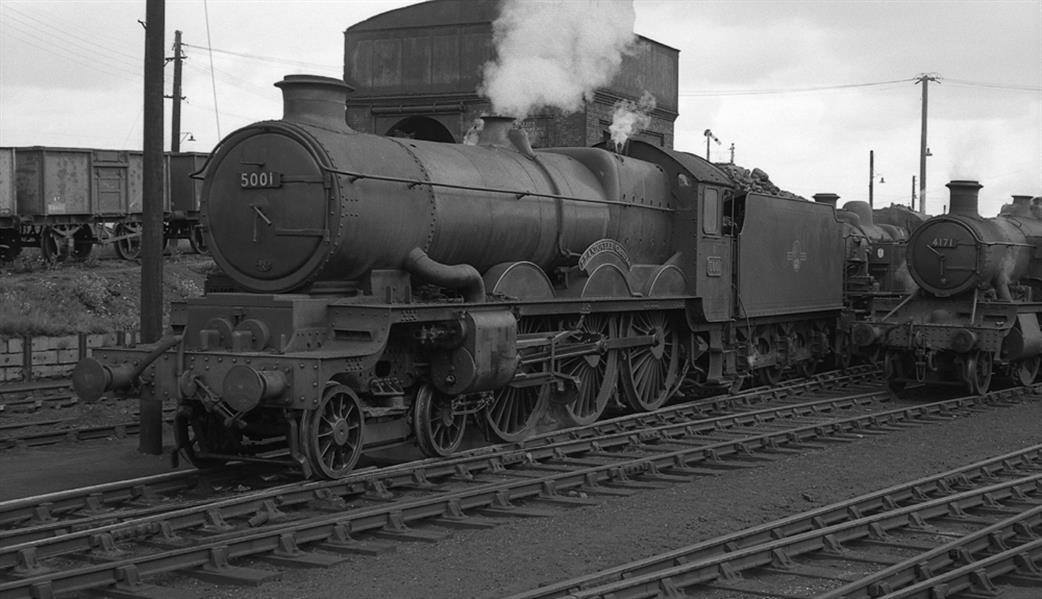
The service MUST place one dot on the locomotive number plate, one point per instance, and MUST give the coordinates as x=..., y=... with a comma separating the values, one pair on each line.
x=260, y=180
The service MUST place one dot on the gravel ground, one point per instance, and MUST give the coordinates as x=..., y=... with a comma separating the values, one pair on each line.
x=523, y=553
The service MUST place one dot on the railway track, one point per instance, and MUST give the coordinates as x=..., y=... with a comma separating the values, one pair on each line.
x=52, y=510
x=35, y=516
x=35, y=396
x=520, y=480
x=52, y=431
x=968, y=530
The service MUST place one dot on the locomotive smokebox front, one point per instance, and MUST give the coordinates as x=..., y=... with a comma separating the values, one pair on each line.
x=961, y=251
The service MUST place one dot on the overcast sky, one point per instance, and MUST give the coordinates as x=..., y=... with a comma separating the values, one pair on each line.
x=804, y=89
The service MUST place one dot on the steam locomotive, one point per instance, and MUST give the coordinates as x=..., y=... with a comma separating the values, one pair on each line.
x=976, y=311
x=386, y=291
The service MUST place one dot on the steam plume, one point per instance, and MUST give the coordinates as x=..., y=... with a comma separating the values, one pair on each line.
x=555, y=53
x=470, y=138
x=630, y=117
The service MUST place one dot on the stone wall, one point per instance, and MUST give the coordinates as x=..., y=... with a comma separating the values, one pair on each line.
x=27, y=358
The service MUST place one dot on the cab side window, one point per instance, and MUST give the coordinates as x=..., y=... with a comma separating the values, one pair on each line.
x=711, y=211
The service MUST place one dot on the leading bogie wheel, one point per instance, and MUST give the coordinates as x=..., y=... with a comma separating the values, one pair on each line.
x=1026, y=371
x=439, y=430
x=192, y=428
x=650, y=374
x=977, y=372
x=331, y=434
x=597, y=373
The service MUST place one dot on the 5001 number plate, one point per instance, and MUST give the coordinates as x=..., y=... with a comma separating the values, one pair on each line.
x=260, y=180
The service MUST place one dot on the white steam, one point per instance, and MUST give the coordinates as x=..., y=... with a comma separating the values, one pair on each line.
x=555, y=53
x=630, y=118
x=470, y=138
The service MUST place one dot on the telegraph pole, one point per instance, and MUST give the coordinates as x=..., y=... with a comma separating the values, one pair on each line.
x=925, y=79
x=175, y=116
x=150, y=437
x=152, y=201
x=871, y=175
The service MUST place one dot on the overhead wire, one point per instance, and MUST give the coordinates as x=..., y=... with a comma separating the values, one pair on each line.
x=793, y=90
x=269, y=59
x=71, y=38
x=1002, y=86
x=65, y=54
x=213, y=79
x=116, y=62
x=234, y=81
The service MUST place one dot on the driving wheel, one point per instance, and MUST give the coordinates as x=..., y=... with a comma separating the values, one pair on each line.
x=650, y=374
x=331, y=433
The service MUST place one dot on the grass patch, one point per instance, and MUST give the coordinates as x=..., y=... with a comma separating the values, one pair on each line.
x=90, y=297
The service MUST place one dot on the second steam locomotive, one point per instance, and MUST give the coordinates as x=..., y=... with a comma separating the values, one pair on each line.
x=977, y=309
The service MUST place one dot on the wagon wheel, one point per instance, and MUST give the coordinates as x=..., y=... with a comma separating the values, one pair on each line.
x=767, y=375
x=331, y=434
x=82, y=243
x=515, y=411
x=598, y=375
x=197, y=239
x=976, y=372
x=1026, y=371
x=10, y=245
x=190, y=433
x=651, y=374
x=53, y=248
x=130, y=247
x=439, y=432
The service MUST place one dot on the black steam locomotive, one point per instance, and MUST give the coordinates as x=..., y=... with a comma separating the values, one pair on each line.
x=976, y=311
x=386, y=291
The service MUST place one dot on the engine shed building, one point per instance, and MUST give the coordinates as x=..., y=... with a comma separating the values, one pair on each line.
x=416, y=70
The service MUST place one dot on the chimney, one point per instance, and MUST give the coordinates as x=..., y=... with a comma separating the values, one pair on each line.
x=963, y=198
x=314, y=99
x=826, y=198
x=499, y=132
x=1021, y=207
